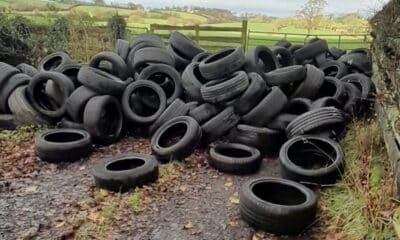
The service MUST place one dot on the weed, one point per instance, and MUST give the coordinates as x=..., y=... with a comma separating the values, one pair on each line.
x=133, y=201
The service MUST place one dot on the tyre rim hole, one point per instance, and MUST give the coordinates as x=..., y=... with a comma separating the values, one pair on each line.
x=297, y=108
x=327, y=89
x=331, y=71
x=164, y=81
x=219, y=55
x=278, y=193
x=173, y=135
x=52, y=63
x=233, y=152
x=267, y=61
x=147, y=101
x=109, y=122
x=63, y=137
x=125, y=164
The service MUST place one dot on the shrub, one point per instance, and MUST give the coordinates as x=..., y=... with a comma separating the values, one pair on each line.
x=58, y=35
x=117, y=26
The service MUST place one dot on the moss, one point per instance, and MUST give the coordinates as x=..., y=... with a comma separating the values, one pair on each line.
x=134, y=201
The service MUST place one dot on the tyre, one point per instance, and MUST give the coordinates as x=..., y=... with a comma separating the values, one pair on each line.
x=176, y=109
x=118, y=65
x=203, y=112
x=311, y=84
x=24, y=113
x=316, y=120
x=260, y=60
x=286, y=75
x=310, y=50
x=283, y=56
x=180, y=61
x=158, y=73
x=41, y=102
x=134, y=88
x=54, y=61
x=53, y=90
x=366, y=87
x=67, y=123
x=7, y=122
x=176, y=139
x=277, y=205
x=335, y=52
x=275, y=101
x=101, y=82
x=6, y=72
x=222, y=63
x=200, y=57
x=185, y=46
x=283, y=43
x=71, y=71
x=353, y=101
x=27, y=69
x=312, y=159
x=325, y=102
x=103, y=119
x=148, y=55
x=358, y=61
x=9, y=86
x=122, y=48
x=234, y=158
x=192, y=81
x=192, y=105
x=294, y=48
x=281, y=121
x=77, y=101
x=63, y=145
x=219, y=125
x=147, y=38
x=225, y=89
x=252, y=95
x=297, y=106
x=125, y=172
x=332, y=87
x=267, y=140
x=334, y=69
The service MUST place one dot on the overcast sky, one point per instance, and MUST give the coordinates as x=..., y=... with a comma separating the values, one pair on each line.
x=277, y=8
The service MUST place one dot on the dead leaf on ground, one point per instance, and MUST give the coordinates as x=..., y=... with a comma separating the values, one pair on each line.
x=234, y=224
x=234, y=198
x=183, y=188
x=189, y=225
x=31, y=189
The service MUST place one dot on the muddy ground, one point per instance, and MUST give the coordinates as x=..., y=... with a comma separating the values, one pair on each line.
x=46, y=201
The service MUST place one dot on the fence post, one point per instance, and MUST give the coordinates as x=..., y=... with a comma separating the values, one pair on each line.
x=152, y=28
x=197, y=31
x=340, y=41
x=244, y=34
x=285, y=36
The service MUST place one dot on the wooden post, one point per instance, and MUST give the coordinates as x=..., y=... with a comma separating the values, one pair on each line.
x=339, y=41
x=244, y=33
x=197, y=33
x=152, y=28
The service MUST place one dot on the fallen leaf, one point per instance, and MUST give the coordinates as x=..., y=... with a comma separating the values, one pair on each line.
x=228, y=184
x=183, y=188
x=31, y=189
x=234, y=198
x=82, y=167
x=189, y=225
x=255, y=237
x=234, y=224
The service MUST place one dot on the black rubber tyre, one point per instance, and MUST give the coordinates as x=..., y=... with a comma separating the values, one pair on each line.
x=335, y=52
x=201, y=56
x=129, y=111
x=260, y=60
x=277, y=205
x=184, y=45
x=294, y=48
x=358, y=61
x=159, y=72
x=353, y=101
x=69, y=124
x=312, y=159
x=275, y=102
x=148, y=38
x=192, y=81
x=125, y=172
x=298, y=106
x=192, y=105
x=180, y=61
x=267, y=140
x=226, y=89
x=118, y=65
x=234, y=158
x=283, y=43
x=311, y=84
x=71, y=71
x=27, y=69
x=6, y=72
x=54, y=61
x=325, y=102
x=100, y=81
x=283, y=56
x=335, y=69
x=53, y=90
x=122, y=48
x=310, y=50
x=23, y=111
x=316, y=120
x=63, y=145
x=76, y=102
x=219, y=125
x=253, y=94
x=176, y=109
x=365, y=85
x=281, y=121
x=7, y=122
x=332, y=87
x=203, y=112
x=222, y=63
x=103, y=119
x=9, y=86
x=62, y=83
x=176, y=139
x=148, y=55
x=286, y=75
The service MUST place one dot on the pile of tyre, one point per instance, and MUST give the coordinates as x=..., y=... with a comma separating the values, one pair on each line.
x=294, y=101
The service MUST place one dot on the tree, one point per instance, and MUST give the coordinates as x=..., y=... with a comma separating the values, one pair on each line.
x=99, y=2
x=311, y=12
